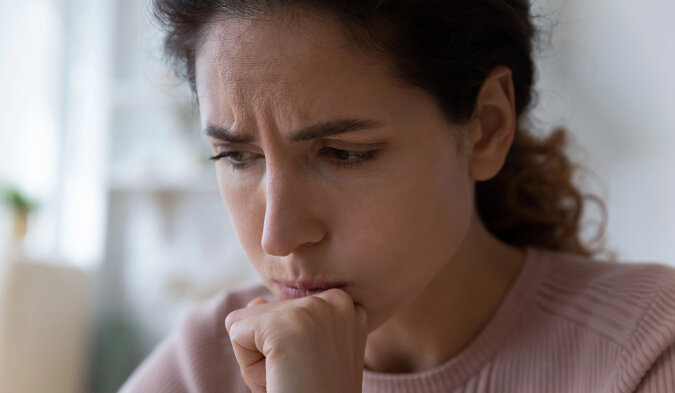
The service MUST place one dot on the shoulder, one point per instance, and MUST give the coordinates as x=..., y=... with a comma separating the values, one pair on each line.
x=631, y=304
x=198, y=355
x=619, y=299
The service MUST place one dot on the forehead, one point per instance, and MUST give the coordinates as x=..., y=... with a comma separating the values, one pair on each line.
x=270, y=42
x=300, y=59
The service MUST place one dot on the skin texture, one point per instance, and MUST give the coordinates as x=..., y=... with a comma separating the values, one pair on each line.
x=294, y=346
x=400, y=230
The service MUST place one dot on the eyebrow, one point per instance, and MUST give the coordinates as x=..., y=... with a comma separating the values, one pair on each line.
x=314, y=131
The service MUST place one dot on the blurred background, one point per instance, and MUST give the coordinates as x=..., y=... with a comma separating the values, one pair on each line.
x=111, y=225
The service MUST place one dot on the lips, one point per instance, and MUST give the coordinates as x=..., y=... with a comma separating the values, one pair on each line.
x=296, y=289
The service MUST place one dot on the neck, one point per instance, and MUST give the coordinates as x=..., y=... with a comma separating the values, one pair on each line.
x=451, y=311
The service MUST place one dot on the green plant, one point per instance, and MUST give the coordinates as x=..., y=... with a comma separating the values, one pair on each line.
x=18, y=201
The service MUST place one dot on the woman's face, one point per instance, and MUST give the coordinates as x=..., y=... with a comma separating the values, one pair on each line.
x=382, y=220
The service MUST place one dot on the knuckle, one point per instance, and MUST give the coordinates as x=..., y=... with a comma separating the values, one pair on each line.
x=230, y=319
x=302, y=316
x=339, y=299
x=301, y=321
x=340, y=296
x=314, y=304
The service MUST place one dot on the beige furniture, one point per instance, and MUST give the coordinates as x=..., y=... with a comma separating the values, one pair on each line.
x=44, y=327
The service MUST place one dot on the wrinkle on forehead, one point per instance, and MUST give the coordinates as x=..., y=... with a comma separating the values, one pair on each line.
x=265, y=62
x=283, y=72
x=305, y=37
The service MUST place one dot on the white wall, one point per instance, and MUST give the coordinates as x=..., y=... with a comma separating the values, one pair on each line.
x=607, y=74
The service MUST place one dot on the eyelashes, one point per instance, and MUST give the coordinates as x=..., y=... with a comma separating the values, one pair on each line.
x=350, y=159
x=338, y=157
x=236, y=164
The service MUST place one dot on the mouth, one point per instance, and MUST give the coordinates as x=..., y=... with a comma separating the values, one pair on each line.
x=297, y=289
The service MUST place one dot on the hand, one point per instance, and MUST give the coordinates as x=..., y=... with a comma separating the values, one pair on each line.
x=305, y=345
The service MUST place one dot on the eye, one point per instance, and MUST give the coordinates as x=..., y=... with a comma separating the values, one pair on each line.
x=237, y=162
x=340, y=158
x=348, y=158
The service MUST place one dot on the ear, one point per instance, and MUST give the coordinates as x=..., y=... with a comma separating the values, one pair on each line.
x=493, y=125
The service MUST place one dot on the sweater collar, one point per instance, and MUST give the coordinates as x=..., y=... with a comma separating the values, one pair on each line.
x=457, y=370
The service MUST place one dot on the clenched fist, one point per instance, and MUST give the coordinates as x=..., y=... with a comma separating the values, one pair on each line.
x=305, y=345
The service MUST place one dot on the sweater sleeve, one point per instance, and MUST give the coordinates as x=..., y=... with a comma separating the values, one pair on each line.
x=660, y=378
x=159, y=372
x=195, y=358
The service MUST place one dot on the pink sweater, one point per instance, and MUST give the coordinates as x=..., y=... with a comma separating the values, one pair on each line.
x=568, y=324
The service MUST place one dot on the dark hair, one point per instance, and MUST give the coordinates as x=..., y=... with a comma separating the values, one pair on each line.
x=447, y=48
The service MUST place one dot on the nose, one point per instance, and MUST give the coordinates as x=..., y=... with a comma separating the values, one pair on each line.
x=290, y=219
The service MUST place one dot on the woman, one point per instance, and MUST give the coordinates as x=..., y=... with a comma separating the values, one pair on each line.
x=410, y=235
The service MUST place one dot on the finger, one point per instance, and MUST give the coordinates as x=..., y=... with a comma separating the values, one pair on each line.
x=256, y=301
x=243, y=313
x=247, y=351
x=344, y=302
x=255, y=377
x=361, y=316
x=337, y=297
x=361, y=322
x=253, y=385
x=247, y=345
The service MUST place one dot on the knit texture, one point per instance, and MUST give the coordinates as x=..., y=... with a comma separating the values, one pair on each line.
x=567, y=324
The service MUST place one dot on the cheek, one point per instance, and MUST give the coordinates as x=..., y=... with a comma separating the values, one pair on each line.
x=245, y=214
x=409, y=232
x=417, y=230
x=421, y=209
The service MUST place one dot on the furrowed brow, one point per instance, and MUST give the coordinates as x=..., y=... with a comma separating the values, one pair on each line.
x=319, y=130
